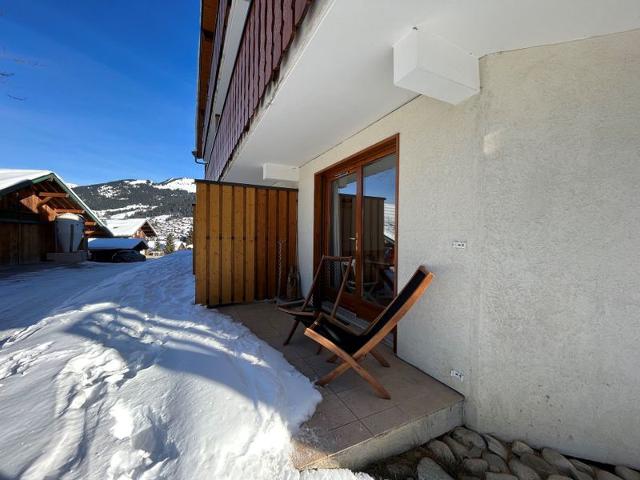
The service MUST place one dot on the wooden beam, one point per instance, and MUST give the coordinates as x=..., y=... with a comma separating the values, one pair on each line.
x=53, y=194
x=68, y=210
x=44, y=201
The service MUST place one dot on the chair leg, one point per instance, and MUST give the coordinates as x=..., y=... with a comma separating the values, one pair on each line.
x=333, y=374
x=370, y=379
x=375, y=384
x=332, y=359
x=348, y=362
x=380, y=358
x=319, y=351
x=293, y=330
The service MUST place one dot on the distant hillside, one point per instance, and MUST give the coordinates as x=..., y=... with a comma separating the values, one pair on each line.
x=168, y=204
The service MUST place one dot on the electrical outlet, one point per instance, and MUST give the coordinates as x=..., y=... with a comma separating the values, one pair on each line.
x=457, y=374
x=459, y=244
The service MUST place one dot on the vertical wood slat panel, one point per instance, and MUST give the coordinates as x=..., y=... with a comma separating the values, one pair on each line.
x=283, y=239
x=261, y=244
x=238, y=244
x=262, y=50
x=256, y=57
x=226, y=245
x=287, y=23
x=200, y=252
x=293, y=229
x=299, y=9
x=250, y=244
x=268, y=66
x=237, y=231
x=215, y=264
x=272, y=227
x=277, y=33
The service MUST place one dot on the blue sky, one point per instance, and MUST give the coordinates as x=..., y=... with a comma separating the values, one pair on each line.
x=101, y=90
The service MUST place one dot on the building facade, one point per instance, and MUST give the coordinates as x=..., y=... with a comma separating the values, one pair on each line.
x=502, y=155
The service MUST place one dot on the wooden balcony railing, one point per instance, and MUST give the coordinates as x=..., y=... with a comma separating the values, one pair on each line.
x=269, y=29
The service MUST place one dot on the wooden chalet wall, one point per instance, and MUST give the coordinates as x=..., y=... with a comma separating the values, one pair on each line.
x=237, y=230
x=26, y=234
x=24, y=242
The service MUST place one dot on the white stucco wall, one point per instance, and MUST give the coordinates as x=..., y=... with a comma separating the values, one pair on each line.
x=540, y=174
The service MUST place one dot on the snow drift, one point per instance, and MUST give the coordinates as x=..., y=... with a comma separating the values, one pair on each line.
x=130, y=380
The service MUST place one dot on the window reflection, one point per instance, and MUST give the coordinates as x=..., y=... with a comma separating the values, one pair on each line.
x=379, y=230
x=342, y=241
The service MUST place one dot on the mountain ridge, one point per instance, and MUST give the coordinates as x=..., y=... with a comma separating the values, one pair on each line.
x=167, y=204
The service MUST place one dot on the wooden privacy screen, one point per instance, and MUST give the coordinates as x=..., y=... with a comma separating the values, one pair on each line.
x=237, y=233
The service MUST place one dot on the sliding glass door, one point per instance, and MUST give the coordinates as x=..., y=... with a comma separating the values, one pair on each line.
x=359, y=220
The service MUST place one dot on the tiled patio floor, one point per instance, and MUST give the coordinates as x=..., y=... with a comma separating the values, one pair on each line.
x=352, y=426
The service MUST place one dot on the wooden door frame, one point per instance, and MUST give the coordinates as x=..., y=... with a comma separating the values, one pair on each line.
x=352, y=163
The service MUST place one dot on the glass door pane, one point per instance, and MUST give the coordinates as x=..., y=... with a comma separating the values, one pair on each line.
x=379, y=230
x=342, y=224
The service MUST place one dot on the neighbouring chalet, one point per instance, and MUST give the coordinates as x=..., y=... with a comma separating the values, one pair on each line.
x=41, y=218
x=497, y=143
x=132, y=227
x=103, y=249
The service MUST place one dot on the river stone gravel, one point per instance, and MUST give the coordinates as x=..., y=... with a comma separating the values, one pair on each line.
x=496, y=446
x=475, y=466
x=520, y=448
x=557, y=460
x=522, y=471
x=538, y=464
x=428, y=469
x=441, y=452
x=499, y=476
x=578, y=475
x=459, y=450
x=581, y=466
x=558, y=477
x=469, y=438
x=627, y=473
x=458, y=455
x=604, y=475
x=496, y=463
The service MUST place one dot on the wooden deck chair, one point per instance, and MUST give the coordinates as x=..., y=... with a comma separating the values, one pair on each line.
x=307, y=310
x=352, y=347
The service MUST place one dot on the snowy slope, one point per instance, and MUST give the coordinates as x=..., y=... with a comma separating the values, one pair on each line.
x=127, y=379
x=186, y=184
x=167, y=204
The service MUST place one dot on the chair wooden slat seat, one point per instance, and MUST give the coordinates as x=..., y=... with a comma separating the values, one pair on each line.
x=352, y=347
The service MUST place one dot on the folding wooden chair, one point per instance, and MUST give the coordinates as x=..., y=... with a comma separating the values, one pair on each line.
x=307, y=310
x=352, y=347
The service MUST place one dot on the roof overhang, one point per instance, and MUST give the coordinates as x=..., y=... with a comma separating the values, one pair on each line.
x=208, y=17
x=342, y=78
x=54, y=192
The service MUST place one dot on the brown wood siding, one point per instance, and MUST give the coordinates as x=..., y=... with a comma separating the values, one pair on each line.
x=237, y=232
x=269, y=30
x=22, y=243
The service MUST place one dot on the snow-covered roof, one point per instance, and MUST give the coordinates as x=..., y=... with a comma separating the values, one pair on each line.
x=12, y=179
x=117, y=244
x=129, y=226
x=16, y=178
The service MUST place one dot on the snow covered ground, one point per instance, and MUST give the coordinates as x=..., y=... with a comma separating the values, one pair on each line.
x=110, y=371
